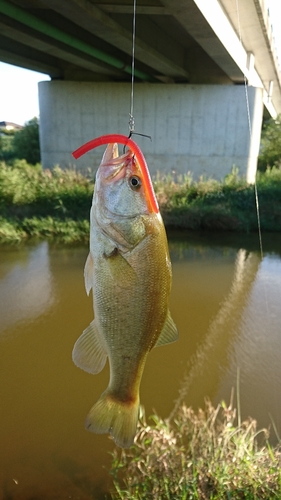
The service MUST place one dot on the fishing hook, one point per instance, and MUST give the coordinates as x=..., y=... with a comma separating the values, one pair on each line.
x=127, y=141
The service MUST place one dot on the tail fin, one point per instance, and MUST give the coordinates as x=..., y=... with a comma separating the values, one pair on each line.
x=116, y=417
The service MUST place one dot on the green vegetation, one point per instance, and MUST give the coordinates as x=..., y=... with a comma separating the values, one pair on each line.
x=26, y=142
x=6, y=145
x=21, y=144
x=56, y=204
x=205, y=455
x=229, y=205
x=43, y=204
x=270, y=154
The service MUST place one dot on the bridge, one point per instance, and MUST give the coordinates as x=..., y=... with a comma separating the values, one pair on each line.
x=194, y=61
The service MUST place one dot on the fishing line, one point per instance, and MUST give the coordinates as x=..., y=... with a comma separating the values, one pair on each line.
x=250, y=134
x=269, y=320
x=131, y=114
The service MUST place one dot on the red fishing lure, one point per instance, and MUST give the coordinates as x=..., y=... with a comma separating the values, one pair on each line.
x=126, y=141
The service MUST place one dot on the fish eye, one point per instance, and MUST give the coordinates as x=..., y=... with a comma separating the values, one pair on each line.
x=135, y=182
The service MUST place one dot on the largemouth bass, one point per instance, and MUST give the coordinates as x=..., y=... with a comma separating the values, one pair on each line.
x=129, y=271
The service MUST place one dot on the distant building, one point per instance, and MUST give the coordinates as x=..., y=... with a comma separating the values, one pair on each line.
x=10, y=126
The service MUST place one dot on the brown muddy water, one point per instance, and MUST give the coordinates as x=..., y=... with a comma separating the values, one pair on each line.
x=227, y=305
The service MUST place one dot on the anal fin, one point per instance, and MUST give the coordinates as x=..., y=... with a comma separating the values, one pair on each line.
x=89, y=352
x=169, y=332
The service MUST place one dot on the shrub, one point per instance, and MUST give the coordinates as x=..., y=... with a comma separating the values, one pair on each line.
x=26, y=142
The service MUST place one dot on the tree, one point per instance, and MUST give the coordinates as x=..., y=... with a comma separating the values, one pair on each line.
x=270, y=152
x=26, y=142
x=7, y=153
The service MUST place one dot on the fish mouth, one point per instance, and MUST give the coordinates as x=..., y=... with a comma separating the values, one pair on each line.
x=117, y=167
x=126, y=141
x=113, y=165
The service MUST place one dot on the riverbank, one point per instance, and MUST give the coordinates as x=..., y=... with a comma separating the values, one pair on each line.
x=55, y=204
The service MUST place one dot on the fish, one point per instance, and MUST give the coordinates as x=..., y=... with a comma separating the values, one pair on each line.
x=129, y=272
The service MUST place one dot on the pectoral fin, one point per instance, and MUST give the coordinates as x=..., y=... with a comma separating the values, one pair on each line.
x=169, y=333
x=121, y=271
x=88, y=273
x=89, y=352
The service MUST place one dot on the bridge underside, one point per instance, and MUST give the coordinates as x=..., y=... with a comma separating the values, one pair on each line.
x=187, y=41
x=56, y=38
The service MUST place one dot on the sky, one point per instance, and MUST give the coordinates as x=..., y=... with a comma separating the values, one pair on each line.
x=19, y=86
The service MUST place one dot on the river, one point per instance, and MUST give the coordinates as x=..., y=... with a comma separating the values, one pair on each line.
x=226, y=302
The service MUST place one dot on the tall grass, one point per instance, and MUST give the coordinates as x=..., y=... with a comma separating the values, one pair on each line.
x=200, y=455
x=221, y=205
x=26, y=189
x=43, y=203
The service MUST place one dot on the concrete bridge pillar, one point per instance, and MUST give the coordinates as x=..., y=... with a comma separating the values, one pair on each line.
x=201, y=129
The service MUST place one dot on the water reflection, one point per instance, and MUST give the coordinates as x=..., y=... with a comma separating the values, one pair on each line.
x=226, y=304
x=256, y=347
x=208, y=365
x=26, y=286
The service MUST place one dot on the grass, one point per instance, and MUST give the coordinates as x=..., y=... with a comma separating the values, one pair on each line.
x=56, y=204
x=43, y=204
x=228, y=205
x=201, y=455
